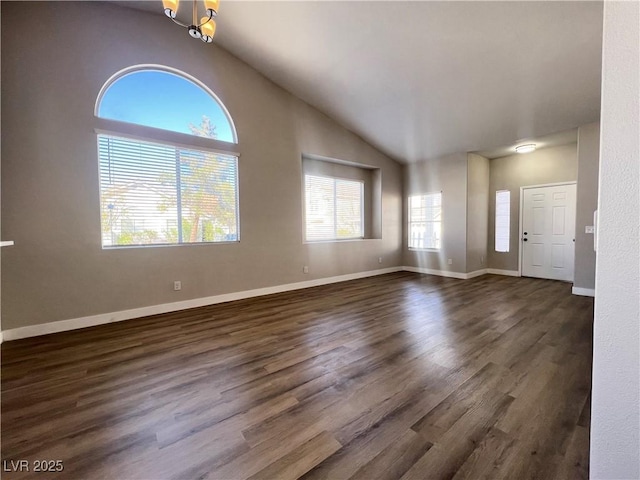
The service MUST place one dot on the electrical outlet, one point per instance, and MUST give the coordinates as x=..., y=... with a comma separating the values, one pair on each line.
x=305, y=269
x=589, y=229
x=379, y=259
x=450, y=262
x=177, y=285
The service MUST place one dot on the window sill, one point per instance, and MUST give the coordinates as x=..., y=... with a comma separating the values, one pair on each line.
x=163, y=245
x=413, y=249
x=337, y=240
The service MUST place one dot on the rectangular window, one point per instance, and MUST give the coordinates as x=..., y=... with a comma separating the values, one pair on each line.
x=334, y=208
x=425, y=221
x=156, y=194
x=503, y=220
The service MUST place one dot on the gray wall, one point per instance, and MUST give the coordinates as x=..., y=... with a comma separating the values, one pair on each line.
x=547, y=165
x=478, y=176
x=50, y=205
x=449, y=175
x=586, y=203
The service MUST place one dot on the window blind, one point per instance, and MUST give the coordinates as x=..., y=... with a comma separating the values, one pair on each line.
x=334, y=208
x=159, y=194
x=425, y=221
x=503, y=220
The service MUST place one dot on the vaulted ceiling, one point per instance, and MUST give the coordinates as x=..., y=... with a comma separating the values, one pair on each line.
x=421, y=79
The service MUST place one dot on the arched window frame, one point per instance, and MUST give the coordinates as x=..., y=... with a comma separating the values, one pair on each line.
x=143, y=132
x=132, y=131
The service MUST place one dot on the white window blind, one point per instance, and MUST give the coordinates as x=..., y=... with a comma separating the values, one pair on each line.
x=503, y=220
x=159, y=194
x=334, y=208
x=425, y=221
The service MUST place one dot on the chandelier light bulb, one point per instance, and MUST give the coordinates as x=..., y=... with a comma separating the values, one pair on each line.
x=170, y=8
x=208, y=29
x=212, y=7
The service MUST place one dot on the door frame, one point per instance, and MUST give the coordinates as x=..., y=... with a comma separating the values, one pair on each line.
x=520, y=214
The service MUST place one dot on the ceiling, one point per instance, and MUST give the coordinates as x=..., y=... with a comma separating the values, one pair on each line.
x=553, y=140
x=422, y=79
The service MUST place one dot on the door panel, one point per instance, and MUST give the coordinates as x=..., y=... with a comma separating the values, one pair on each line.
x=559, y=220
x=548, y=225
x=538, y=221
x=538, y=254
x=557, y=256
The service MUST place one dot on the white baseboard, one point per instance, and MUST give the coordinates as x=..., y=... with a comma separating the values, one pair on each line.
x=440, y=273
x=508, y=273
x=461, y=276
x=475, y=274
x=83, y=322
x=585, y=292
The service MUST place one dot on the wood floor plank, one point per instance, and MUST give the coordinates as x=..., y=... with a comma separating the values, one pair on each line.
x=396, y=376
x=371, y=442
x=575, y=463
x=396, y=459
x=262, y=455
x=455, y=446
x=302, y=459
x=484, y=462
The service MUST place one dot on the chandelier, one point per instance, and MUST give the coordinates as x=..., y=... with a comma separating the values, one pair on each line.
x=205, y=28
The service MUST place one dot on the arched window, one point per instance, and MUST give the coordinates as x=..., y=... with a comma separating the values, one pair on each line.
x=168, y=165
x=166, y=100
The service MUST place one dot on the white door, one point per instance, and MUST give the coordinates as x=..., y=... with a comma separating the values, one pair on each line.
x=548, y=229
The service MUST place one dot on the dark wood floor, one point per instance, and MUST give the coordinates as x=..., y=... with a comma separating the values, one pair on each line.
x=398, y=376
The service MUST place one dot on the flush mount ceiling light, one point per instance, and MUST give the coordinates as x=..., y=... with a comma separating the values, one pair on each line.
x=205, y=29
x=529, y=147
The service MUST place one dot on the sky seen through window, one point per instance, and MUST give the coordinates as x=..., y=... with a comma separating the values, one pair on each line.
x=163, y=100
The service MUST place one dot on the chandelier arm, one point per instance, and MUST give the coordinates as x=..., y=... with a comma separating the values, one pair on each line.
x=177, y=22
x=204, y=23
